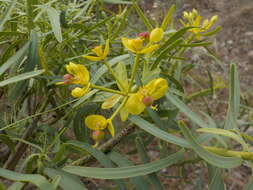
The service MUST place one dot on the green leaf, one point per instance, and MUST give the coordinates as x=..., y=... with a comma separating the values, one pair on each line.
x=6, y=16
x=216, y=160
x=121, y=74
x=117, y=2
x=196, y=44
x=234, y=98
x=36, y=179
x=143, y=17
x=217, y=29
x=165, y=52
x=153, y=178
x=226, y=133
x=125, y=172
x=215, y=179
x=153, y=130
x=85, y=97
x=67, y=181
x=16, y=186
x=100, y=156
x=19, y=55
x=167, y=18
x=21, y=77
x=7, y=140
x=120, y=160
x=32, y=62
x=54, y=18
x=102, y=70
x=186, y=110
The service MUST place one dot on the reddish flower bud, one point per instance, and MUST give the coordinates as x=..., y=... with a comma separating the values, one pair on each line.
x=98, y=135
x=144, y=35
x=147, y=101
x=67, y=78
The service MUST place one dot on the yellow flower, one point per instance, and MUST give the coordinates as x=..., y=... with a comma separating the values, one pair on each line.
x=136, y=45
x=146, y=95
x=100, y=54
x=99, y=122
x=78, y=74
x=156, y=35
x=194, y=19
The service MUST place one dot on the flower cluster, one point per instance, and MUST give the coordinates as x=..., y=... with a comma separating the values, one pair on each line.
x=129, y=98
x=193, y=19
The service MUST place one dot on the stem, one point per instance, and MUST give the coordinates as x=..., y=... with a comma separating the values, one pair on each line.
x=114, y=75
x=108, y=90
x=135, y=69
x=119, y=108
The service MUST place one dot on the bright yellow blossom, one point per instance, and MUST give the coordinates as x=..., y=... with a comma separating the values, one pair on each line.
x=146, y=95
x=77, y=74
x=99, y=122
x=136, y=45
x=194, y=19
x=100, y=54
x=156, y=35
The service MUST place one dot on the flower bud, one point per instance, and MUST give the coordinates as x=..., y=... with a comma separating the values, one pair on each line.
x=67, y=78
x=144, y=35
x=78, y=92
x=98, y=135
x=147, y=101
x=156, y=35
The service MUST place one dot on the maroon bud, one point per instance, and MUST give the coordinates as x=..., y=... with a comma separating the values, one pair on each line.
x=144, y=35
x=67, y=78
x=147, y=101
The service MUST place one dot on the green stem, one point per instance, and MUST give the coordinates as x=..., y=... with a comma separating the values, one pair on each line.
x=119, y=108
x=135, y=69
x=114, y=75
x=108, y=90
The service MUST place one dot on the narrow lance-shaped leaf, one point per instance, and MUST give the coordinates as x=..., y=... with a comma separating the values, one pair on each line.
x=67, y=181
x=125, y=172
x=21, y=77
x=216, y=160
x=6, y=16
x=234, y=98
x=155, y=131
x=36, y=179
x=19, y=55
x=54, y=18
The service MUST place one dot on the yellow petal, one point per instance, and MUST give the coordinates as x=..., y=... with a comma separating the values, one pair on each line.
x=157, y=88
x=98, y=51
x=96, y=122
x=106, y=50
x=111, y=101
x=149, y=49
x=79, y=92
x=82, y=75
x=127, y=45
x=123, y=114
x=134, y=104
x=110, y=127
x=156, y=35
x=71, y=68
x=92, y=58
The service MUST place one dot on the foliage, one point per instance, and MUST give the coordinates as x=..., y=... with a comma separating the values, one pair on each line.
x=80, y=80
